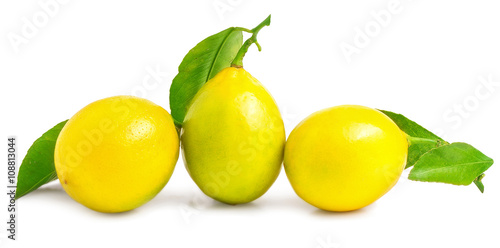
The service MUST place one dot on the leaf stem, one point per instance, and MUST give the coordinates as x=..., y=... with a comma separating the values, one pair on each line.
x=479, y=183
x=243, y=29
x=417, y=140
x=238, y=60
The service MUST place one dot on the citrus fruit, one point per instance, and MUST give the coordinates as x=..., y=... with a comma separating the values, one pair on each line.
x=233, y=138
x=345, y=158
x=117, y=153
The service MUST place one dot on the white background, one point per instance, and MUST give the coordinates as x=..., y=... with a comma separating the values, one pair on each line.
x=425, y=62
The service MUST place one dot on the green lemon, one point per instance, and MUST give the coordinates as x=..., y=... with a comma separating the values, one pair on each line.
x=233, y=138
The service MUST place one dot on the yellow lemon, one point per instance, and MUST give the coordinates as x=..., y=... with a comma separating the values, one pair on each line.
x=117, y=153
x=345, y=158
x=233, y=138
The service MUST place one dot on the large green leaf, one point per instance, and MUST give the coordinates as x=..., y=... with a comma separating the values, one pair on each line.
x=38, y=166
x=202, y=63
x=414, y=130
x=456, y=163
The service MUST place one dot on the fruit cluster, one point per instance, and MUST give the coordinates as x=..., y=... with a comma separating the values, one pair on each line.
x=118, y=153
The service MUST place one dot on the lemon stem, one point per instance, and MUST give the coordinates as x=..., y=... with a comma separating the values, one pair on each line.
x=238, y=60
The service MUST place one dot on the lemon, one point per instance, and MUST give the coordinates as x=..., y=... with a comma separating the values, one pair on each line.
x=117, y=153
x=345, y=158
x=233, y=138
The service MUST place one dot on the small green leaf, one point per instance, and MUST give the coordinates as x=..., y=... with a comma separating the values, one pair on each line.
x=38, y=166
x=456, y=163
x=414, y=130
x=202, y=63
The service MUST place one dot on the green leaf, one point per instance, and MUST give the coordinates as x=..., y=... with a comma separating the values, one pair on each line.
x=435, y=160
x=202, y=63
x=416, y=131
x=456, y=163
x=38, y=166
